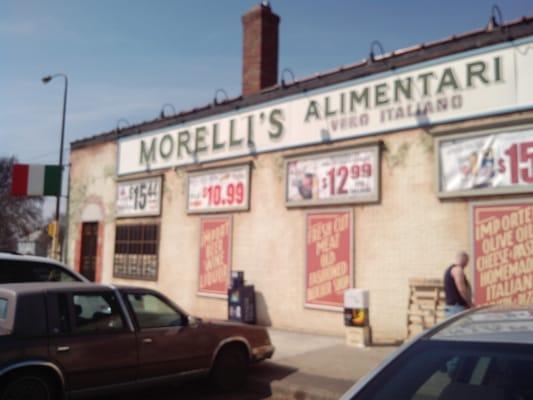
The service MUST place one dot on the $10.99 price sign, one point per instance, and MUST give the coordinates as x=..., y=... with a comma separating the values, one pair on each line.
x=140, y=197
x=224, y=189
x=347, y=176
x=501, y=162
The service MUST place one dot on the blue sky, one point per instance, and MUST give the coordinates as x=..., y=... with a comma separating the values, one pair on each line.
x=125, y=59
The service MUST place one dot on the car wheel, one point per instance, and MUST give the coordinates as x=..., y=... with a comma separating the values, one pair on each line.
x=28, y=387
x=230, y=369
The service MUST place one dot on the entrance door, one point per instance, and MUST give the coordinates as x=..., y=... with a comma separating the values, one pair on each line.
x=89, y=240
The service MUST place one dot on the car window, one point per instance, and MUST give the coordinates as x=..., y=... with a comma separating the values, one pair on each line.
x=95, y=313
x=17, y=271
x=55, y=274
x=451, y=371
x=153, y=312
x=3, y=308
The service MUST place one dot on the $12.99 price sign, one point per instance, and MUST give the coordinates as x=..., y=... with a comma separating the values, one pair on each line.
x=141, y=197
x=499, y=162
x=219, y=190
x=347, y=176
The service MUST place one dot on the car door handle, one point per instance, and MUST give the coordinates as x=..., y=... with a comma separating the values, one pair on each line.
x=63, y=349
x=147, y=340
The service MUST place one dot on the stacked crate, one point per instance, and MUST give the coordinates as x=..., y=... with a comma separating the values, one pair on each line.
x=426, y=304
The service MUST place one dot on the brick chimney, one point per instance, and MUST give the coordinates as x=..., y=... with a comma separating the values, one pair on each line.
x=260, y=49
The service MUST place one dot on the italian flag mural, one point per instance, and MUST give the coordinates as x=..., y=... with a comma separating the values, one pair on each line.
x=35, y=180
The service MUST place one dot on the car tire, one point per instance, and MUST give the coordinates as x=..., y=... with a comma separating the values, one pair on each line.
x=31, y=386
x=230, y=369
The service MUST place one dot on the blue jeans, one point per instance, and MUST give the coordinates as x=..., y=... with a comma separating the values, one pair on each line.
x=452, y=310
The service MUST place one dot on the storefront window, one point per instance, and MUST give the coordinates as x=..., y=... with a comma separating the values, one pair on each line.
x=136, y=251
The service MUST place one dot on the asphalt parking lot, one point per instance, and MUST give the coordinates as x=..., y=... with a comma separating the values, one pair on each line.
x=197, y=389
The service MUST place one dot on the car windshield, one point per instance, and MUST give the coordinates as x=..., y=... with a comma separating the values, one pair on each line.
x=16, y=271
x=445, y=370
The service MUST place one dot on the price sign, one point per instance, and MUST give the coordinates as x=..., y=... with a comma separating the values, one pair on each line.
x=486, y=163
x=225, y=189
x=347, y=176
x=140, y=197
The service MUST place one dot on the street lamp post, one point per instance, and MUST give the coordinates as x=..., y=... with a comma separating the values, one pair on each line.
x=46, y=79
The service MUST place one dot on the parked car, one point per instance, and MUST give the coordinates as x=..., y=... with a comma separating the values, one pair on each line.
x=15, y=268
x=68, y=339
x=484, y=354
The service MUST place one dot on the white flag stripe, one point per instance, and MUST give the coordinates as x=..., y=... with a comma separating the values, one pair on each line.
x=36, y=180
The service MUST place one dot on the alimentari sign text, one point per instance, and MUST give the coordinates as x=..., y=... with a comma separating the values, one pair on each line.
x=473, y=85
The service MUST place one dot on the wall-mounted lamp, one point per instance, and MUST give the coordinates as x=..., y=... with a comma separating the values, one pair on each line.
x=493, y=22
x=287, y=71
x=124, y=120
x=373, y=45
x=162, y=113
x=215, y=98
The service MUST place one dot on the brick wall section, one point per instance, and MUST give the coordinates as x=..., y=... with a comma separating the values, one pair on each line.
x=260, y=49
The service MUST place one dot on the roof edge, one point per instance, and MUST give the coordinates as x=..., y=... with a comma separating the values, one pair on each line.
x=412, y=55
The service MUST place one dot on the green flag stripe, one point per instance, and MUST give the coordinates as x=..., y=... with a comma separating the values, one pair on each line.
x=52, y=180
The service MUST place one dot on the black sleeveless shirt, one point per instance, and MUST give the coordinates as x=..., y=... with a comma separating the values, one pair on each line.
x=453, y=297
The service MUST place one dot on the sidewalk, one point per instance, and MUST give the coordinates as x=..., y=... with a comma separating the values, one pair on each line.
x=313, y=367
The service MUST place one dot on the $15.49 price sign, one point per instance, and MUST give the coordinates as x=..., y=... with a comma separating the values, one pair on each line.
x=224, y=189
x=347, y=176
x=498, y=162
x=141, y=197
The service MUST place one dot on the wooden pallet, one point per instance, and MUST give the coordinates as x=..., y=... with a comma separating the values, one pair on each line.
x=426, y=304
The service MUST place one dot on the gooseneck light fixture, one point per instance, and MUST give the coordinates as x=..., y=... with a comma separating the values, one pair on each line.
x=162, y=113
x=215, y=98
x=287, y=71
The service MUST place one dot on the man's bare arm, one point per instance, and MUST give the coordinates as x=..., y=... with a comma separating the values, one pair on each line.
x=459, y=279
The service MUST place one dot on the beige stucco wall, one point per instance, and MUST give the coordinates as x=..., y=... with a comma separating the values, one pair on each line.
x=410, y=233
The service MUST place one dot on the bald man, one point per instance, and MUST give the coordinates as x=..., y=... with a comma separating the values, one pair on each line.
x=456, y=286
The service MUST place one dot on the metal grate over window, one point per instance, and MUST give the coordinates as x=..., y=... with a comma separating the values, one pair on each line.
x=136, y=251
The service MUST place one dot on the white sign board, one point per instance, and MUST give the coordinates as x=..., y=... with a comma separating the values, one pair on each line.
x=471, y=84
x=499, y=162
x=347, y=176
x=225, y=189
x=139, y=197
x=356, y=298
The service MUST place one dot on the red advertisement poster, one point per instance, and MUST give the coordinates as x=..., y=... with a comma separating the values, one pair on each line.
x=215, y=255
x=503, y=253
x=328, y=257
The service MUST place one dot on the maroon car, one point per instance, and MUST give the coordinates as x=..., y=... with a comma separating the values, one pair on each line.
x=59, y=339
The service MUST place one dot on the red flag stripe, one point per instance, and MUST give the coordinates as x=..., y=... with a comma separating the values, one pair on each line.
x=19, y=180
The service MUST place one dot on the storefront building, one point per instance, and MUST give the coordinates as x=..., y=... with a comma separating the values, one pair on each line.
x=361, y=177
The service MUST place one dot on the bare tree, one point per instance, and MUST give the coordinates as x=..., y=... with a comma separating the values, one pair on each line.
x=19, y=216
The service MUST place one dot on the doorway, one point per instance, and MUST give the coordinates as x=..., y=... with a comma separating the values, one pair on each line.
x=89, y=241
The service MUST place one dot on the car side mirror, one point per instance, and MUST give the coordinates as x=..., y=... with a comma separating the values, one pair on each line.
x=193, y=322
